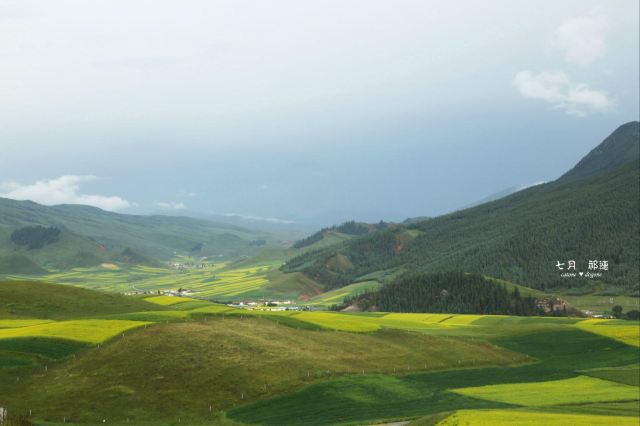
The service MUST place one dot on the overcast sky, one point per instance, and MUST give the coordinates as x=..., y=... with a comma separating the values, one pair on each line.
x=312, y=112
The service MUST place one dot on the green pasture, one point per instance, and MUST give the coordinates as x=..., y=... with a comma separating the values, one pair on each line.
x=196, y=362
x=334, y=297
x=557, y=353
x=528, y=418
x=221, y=281
x=88, y=331
x=228, y=362
x=624, y=331
x=580, y=389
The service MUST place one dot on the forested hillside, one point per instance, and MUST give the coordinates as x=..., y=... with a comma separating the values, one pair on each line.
x=591, y=213
x=449, y=292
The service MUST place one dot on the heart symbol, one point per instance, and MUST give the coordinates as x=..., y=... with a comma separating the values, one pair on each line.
x=581, y=273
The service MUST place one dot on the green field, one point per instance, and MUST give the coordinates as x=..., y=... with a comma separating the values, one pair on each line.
x=336, y=296
x=529, y=418
x=170, y=360
x=602, y=304
x=577, y=390
x=221, y=281
x=88, y=331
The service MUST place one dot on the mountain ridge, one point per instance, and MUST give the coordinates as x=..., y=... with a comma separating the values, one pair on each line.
x=583, y=215
x=92, y=234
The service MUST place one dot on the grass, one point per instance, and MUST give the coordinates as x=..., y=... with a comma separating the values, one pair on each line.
x=13, y=323
x=89, y=331
x=32, y=299
x=628, y=374
x=624, y=331
x=223, y=281
x=168, y=300
x=561, y=350
x=51, y=348
x=581, y=389
x=338, y=295
x=530, y=418
x=601, y=304
x=300, y=368
x=156, y=373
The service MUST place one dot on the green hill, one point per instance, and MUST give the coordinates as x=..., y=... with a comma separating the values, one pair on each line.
x=30, y=299
x=19, y=264
x=590, y=213
x=337, y=233
x=88, y=235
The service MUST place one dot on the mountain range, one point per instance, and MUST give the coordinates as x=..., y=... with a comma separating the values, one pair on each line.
x=591, y=213
x=89, y=236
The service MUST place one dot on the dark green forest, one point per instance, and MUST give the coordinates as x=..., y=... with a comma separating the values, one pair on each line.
x=450, y=292
x=35, y=237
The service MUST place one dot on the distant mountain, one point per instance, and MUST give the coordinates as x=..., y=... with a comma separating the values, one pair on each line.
x=337, y=233
x=592, y=212
x=89, y=236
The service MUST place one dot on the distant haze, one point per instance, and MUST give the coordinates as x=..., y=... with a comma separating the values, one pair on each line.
x=309, y=113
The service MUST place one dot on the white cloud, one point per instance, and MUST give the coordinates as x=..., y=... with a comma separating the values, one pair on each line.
x=558, y=90
x=582, y=39
x=170, y=205
x=62, y=190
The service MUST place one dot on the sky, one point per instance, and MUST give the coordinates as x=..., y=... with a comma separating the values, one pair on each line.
x=305, y=113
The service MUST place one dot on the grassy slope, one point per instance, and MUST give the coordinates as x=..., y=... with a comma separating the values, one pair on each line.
x=175, y=370
x=337, y=296
x=561, y=350
x=178, y=369
x=29, y=299
x=529, y=418
x=580, y=389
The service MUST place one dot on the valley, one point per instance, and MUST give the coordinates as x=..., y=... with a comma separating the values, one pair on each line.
x=465, y=318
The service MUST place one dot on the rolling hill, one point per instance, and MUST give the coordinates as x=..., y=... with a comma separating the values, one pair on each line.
x=89, y=236
x=591, y=212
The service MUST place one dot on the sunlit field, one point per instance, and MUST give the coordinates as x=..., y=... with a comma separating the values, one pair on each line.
x=528, y=418
x=89, y=331
x=577, y=390
x=218, y=281
x=300, y=367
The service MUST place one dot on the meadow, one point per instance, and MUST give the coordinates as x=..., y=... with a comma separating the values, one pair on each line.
x=528, y=418
x=170, y=360
x=335, y=297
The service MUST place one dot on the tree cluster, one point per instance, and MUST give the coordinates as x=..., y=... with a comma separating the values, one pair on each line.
x=35, y=237
x=446, y=292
